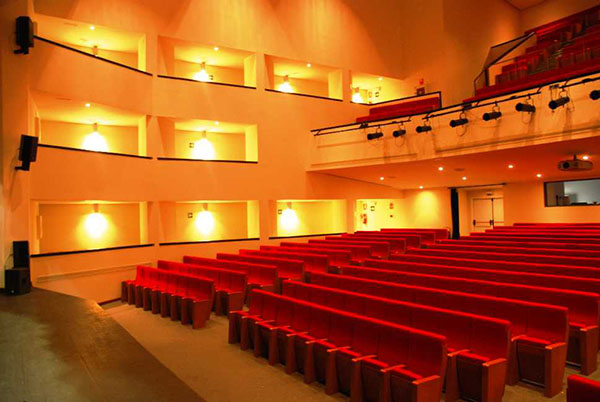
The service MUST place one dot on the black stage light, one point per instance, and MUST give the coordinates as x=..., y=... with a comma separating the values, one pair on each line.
x=525, y=107
x=424, y=128
x=377, y=134
x=493, y=115
x=399, y=132
x=459, y=122
x=595, y=94
x=556, y=103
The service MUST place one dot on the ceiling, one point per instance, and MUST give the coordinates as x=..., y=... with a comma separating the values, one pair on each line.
x=523, y=4
x=67, y=110
x=82, y=34
x=210, y=126
x=212, y=55
x=481, y=168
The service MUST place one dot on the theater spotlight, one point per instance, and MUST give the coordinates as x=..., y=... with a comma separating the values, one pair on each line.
x=461, y=121
x=525, y=107
x=595, y=94
x=495, y=114
x=377, y=134
x=424, y=128
x=558, y=102
x=399, y=132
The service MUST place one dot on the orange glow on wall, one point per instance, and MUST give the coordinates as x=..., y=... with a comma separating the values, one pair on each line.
x=289, y=219
x=204, y=149
x=205, y=222
x=95, y=141
x=95, y=225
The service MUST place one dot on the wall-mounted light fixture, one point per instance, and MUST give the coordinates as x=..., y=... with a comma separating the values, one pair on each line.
x=495, y=114
x=202, y=75
x=425, y=127
x=375, y=135
x=289, y=219
x=95, y=223
x=205, y=221
x=562, y=100
x=285, y=86
x=461, y=121
x=95, y=141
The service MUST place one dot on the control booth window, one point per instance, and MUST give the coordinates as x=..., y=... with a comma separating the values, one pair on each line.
x=572, y=193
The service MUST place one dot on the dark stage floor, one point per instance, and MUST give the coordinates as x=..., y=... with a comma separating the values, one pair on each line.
x=55, y=347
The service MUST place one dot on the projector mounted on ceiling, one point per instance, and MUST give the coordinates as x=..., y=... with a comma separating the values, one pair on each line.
x=575, y=165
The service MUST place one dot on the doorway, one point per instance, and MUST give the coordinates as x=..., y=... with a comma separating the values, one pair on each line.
x=487, y=213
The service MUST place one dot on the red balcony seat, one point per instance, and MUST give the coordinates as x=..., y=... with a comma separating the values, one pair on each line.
x=581, y=389
x=259, y=275
x=312, y=262
x=404, y=108
x=179, y=296
x=440, y=234
x=583, y=232
x=286, y=268
x=513, y=248
x=545, y=263
x=397, y=244
x=412, y=240
x=336, y=257
x=381, y=249
x=467, y=335
x=230, y=285
x=465, y=280
x=333, y=344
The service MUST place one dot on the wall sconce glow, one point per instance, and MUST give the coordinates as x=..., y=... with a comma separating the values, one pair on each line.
x=420, y=187
x=216, y=48
x=92, y=28
x=289, y=219
x=539, y=175
x=441, y=168
x=585, y=157
x=95, y=224
x=511, y=166
x=95, y=141
x=308, y=65
x=464, y=177
x=203, y=148
x=205, y=222
x=202, y=75
x=285, y=86
x=87, y=105
x=356, y=96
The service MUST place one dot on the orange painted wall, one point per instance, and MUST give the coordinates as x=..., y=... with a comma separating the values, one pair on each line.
x=551, y=10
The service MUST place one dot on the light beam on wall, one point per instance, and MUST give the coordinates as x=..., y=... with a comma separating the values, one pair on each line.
x=285, y=86
x=203, y=149
x=95, y=223
x=95, y=141
x=289, y=219
x=202, y=75
x=205, y=221
x=356, y=96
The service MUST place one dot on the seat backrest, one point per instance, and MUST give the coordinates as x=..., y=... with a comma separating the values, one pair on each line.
x=393, y=344
x=319, y=322
x=301, y=317
x=340, y=328
x=426, y=353
x=256, y=303
x=365, y=335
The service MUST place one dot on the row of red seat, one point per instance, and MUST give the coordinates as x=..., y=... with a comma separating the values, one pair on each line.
x=397, y=245
x=581, y=389
x=370, y=359
x=516, y=248
x=312, y=262
x=230, y=286
x=336, y=257
x=556, y=238
x=537, y=329
x=583, y=306
x=411, y=240
x=180, y=296
x=478, y=347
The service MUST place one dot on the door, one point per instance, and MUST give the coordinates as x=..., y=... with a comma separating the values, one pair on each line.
x=487, y=213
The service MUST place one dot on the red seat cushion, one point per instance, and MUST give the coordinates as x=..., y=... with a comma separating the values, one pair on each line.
x=534, y=341
x=473, y=357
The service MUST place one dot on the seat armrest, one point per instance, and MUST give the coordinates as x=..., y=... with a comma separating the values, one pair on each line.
x=336, y=349
x=427, y=379
x=316, y=340
x=296, y=333
x=363, y=357
x=456, y=352
x=387, y=369
x=556, y=345
x=494, y=362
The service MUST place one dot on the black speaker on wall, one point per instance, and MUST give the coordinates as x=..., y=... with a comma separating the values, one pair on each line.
x=21, y=254
x=27, y=151
x=17, y=281
x=24, y=35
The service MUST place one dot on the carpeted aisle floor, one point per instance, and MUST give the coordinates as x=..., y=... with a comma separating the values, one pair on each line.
x=220, y=372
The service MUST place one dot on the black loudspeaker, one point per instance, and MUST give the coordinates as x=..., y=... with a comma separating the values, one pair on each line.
x=27, y=151
x=21, y=254
x=24, y=35
x=16, y=281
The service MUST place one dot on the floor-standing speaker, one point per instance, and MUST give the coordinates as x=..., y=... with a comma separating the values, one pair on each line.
x=17, y=281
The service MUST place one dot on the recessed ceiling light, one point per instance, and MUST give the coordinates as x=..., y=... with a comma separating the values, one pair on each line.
x=585, y=157
x=464, y=177
x=441, y=168
x=381, y=178
x=87, y=105
x=539, y=175
x=92, y=27
x=308, y=65
x=216, y=48
x=421, y=187
x=511, y=166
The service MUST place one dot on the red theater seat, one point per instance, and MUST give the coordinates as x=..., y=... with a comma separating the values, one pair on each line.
x=467, y=335
x=412, y=240
x=312, y=262
x=380, y=249
x=397, y=244
x=515, y=248
x=336, y=257
x=230, y=285
x=359, y=252
x=581, y=389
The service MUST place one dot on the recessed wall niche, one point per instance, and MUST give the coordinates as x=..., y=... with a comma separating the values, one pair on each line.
x=212, y=140
x=86, y=125
x=303, y=77
x=206, y=63
x=123, y=47
x=371, y=89
x=307, y=217
x=197, y=221
x=64, y=226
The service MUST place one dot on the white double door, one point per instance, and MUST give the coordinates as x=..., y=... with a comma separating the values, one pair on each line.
x=487, y=213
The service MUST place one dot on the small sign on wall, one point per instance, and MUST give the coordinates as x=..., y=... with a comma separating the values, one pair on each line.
x=372, y=208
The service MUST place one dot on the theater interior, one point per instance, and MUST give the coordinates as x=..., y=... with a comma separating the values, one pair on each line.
x=300, y=200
